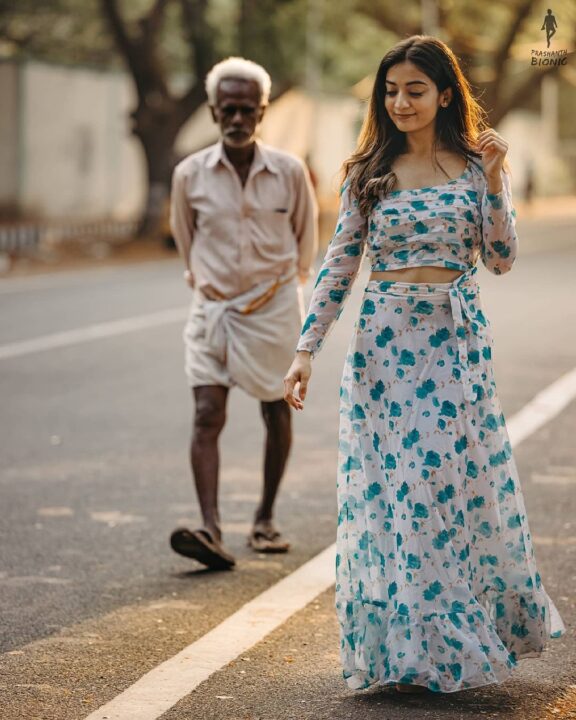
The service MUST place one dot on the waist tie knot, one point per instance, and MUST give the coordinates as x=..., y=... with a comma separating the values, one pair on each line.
x=469, y=322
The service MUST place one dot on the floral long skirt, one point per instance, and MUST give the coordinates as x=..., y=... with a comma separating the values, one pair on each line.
x=436, y=579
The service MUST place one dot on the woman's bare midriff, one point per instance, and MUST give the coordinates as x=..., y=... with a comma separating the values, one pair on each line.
x=417, y=275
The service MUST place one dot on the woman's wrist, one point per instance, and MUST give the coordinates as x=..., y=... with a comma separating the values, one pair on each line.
x=494, y=184
x=494, y=188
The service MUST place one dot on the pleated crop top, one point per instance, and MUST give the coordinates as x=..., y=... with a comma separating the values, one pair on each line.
x=449, y=225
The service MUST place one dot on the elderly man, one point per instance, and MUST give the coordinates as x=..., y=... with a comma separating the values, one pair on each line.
x=244, y=219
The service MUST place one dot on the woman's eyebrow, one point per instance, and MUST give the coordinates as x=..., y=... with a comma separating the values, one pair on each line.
x=412, y=82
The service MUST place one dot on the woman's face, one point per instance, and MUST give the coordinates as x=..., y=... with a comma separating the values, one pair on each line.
x=412, y=99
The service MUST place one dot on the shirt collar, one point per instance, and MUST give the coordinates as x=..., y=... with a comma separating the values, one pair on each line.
x=262, y=158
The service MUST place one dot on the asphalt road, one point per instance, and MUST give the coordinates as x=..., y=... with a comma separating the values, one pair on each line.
x=94, y=478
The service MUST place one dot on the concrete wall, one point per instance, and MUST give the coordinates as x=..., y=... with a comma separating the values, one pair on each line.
x=79, y=158
x=75, y=156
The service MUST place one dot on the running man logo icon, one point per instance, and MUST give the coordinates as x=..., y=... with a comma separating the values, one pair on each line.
x=550, y=26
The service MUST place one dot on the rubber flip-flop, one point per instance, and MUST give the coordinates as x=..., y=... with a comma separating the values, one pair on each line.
x=201, y=546
x=266, y=540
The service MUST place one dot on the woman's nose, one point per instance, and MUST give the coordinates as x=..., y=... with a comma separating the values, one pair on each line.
x=401, y=100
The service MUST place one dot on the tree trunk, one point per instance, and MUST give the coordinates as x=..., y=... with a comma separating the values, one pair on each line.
x=158, y=145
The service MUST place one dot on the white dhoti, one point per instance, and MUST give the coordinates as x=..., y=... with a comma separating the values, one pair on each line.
x=247, y=341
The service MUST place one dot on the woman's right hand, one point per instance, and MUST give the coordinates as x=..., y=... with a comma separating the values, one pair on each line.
x=296, y=380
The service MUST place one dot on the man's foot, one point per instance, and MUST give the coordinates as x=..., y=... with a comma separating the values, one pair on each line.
x=200, y=545
x=408, y=689
x=265, y=538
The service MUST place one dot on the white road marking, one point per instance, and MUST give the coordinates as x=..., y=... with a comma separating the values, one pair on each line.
x=546, y=405
x=562, y=540
x=55, y=512
x=160, y=689
x=92, y=332
x=553, y=479
x=112, y=518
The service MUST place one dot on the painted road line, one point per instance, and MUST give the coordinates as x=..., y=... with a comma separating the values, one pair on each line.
x=160, y=689
x=89, y=333
x=64, y=279
x=546, y=405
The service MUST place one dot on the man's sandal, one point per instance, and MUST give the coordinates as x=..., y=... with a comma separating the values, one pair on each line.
x=200, y=545
x=264, y=538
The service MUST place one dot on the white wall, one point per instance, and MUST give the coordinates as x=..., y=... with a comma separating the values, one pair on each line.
x=75, y=155
x=79, y=159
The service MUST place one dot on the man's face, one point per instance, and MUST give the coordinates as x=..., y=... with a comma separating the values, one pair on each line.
x=238, y=111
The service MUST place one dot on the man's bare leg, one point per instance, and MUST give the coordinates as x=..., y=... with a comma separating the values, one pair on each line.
x=204, y=544
x=209, y=420
x=278, y=422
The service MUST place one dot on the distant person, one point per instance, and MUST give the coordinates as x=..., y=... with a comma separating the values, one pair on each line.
x=529, y=184
x=244, y=218
x=550, y=26
x=436, y=582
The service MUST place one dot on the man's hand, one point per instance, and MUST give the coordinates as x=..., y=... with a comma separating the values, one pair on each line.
x=189, y=278
x=303, y=276
x=297, y=380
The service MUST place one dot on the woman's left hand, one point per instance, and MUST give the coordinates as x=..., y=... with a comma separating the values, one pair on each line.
x=493, y=148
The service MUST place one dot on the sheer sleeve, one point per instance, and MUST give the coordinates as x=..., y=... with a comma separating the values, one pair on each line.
x=499, y=239
x=337, y=274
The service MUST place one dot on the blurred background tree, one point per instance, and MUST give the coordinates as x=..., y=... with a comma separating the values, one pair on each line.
x=167, y=46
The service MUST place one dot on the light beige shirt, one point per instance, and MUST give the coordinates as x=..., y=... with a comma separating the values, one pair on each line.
x=234, y=237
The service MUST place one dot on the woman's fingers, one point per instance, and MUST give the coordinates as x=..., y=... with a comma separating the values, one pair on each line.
x=303, y=387
x=289, y=386
x=491, y=139
x=296, y=385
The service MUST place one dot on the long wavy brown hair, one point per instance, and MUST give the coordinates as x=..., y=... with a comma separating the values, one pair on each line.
x=369, y=169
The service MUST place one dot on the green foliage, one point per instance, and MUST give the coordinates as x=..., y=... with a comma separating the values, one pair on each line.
x=63, y=31
x=342, y=41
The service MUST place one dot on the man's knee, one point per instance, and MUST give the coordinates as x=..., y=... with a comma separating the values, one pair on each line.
x=276, y=413
x=210, y=414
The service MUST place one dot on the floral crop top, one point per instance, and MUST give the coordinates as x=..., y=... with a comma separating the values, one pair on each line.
x=449, y=225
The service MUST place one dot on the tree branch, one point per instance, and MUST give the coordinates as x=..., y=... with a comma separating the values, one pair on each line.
x=118, y=28
x=201, y=41
x=140, y=52
x=521, y=94
x=515, y=26
x=391, y=20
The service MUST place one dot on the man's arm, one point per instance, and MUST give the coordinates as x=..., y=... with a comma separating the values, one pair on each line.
x=182, y=221
x=305, y=222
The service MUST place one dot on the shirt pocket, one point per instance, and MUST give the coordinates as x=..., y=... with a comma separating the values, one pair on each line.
x=273, y=231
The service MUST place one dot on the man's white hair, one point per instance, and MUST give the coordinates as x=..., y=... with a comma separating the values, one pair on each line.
x=237, y=68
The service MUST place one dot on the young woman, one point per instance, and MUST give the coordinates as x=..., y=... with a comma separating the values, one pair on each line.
x=437, y=585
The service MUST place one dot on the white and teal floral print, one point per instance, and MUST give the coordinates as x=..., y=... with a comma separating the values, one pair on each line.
x=450, y=225
x=436, y=579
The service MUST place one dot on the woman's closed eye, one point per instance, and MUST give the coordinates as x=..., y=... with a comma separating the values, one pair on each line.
x=392, y=93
